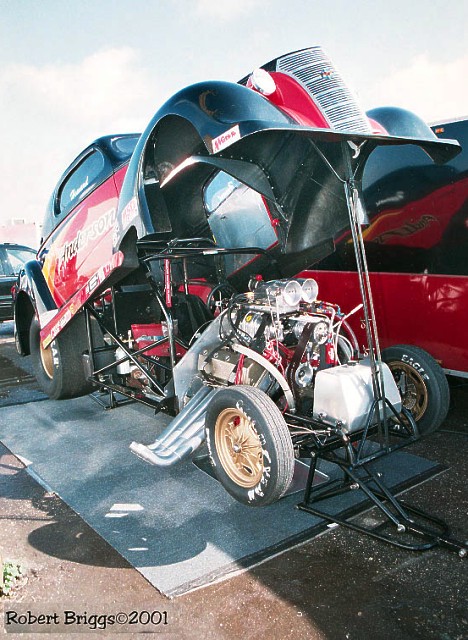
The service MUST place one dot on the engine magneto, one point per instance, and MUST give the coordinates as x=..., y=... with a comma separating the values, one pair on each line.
x=222, y=366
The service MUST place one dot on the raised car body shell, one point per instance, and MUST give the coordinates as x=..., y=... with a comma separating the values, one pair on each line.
x=207, y=127
x=248, y=122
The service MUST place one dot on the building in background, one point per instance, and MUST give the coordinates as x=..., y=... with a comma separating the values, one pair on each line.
x=21, y=232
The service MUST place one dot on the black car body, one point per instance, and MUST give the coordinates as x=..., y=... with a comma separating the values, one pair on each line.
x=12, y=258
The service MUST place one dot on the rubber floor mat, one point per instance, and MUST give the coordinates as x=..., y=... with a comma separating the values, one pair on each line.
x=177, y=526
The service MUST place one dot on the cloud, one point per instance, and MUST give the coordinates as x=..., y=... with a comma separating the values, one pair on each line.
x=224, y=9
x=101, y=89
x=432, y=89
x=51, y=112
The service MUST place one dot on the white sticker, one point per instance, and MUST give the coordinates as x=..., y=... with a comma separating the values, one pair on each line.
x=130, y=212
x=226, y=139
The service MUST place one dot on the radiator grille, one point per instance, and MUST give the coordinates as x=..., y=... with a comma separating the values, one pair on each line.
x=316, y=73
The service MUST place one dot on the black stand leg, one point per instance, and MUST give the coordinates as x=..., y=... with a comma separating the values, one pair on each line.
x=112, y=402
x=422, y=530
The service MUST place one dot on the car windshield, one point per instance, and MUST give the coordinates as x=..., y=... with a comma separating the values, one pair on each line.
x=18, y=257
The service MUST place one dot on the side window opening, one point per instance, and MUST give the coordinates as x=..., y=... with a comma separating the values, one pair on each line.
x=18, y=257
x=81, y=181
x=2, y=265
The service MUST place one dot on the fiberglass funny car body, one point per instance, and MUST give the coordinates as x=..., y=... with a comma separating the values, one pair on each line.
x=167, y=273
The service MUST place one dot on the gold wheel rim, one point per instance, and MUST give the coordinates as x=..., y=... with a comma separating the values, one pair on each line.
x=412, y=389
x=239, y=447
x=47, y=360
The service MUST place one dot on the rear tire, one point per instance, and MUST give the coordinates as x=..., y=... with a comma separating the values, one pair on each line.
x=59, y=368
x=250, y=445
x=422, y=384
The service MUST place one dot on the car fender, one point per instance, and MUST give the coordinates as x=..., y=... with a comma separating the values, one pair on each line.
x=202, y=119
x=33, y=297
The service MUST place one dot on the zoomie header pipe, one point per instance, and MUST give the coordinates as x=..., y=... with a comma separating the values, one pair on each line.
x=181, y=437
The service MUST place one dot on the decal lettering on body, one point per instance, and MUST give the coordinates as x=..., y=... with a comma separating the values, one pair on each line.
x=226, y=139
x=98, y=228
x=76, y=192
x=129, y=213
x=63, y=317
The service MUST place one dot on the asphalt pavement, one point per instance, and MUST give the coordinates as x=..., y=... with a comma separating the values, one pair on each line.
x=340, y=585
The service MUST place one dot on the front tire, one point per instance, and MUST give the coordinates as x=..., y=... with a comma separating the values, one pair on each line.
x=422, y=384
x=59, y=368
x=249, y=445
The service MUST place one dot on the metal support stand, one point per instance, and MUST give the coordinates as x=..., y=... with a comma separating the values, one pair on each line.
x=112, y=402
x=413, y=528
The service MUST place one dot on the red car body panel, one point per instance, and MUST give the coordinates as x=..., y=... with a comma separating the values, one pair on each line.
x=294, y=100
x=429, y=311
x=80, y=253
x=422, y=223
x=82, y=243
x=119, y=178
x=71, y=308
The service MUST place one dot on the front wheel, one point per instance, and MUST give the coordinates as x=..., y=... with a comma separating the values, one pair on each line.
x=250, y=445
x=422, y=385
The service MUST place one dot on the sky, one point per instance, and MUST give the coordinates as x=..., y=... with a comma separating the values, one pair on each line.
x=73, y=70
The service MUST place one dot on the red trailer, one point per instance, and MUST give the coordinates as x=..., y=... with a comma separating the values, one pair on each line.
x=417, y=250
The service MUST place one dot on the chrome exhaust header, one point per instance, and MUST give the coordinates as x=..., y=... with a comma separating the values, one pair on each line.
x=182, y=436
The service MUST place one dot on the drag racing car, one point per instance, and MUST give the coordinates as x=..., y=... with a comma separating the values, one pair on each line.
x=169, y=273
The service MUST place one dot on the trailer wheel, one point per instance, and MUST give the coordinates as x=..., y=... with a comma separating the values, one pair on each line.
x=59, y=367
x=422, y=384
x=249, y=445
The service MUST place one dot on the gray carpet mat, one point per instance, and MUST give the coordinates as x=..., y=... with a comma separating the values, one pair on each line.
x=178, y=526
